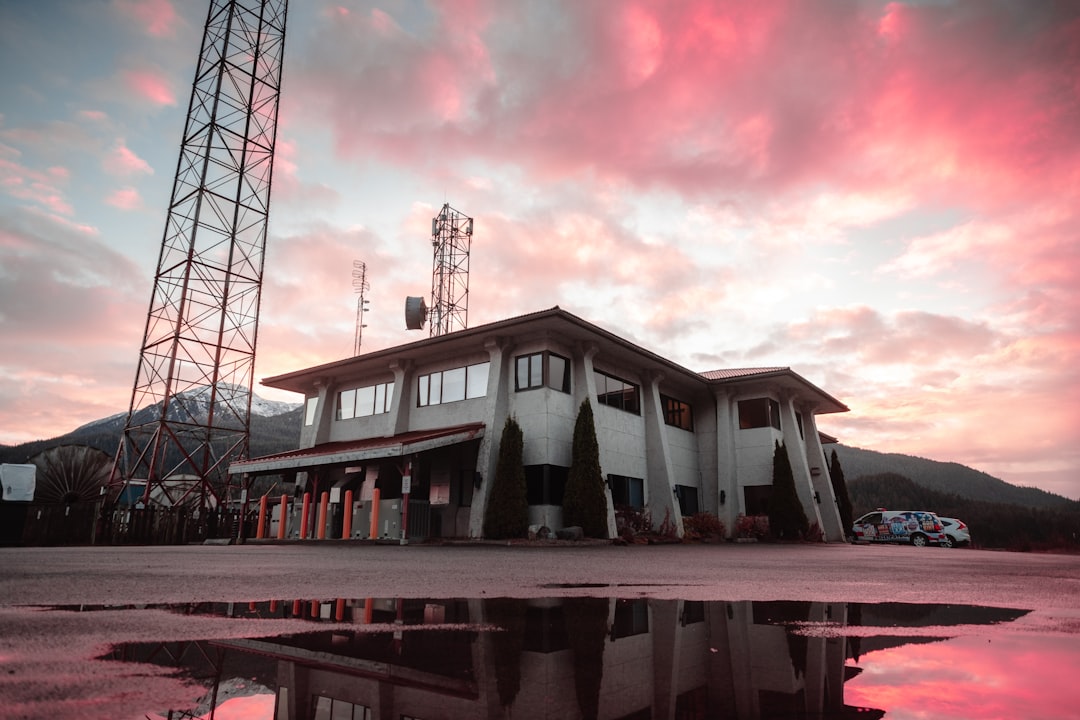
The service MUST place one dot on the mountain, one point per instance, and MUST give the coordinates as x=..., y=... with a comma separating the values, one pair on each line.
x=943, y=477
x=275, y=426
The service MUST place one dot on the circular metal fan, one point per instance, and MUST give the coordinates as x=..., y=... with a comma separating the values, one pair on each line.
x=70, y=473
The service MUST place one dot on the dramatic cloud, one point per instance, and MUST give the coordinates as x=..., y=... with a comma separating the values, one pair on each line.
x=882, y=195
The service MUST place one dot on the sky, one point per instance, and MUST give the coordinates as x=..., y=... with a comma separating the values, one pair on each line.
x=883, y=196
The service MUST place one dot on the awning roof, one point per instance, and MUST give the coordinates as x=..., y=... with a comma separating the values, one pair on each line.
x=333, y=453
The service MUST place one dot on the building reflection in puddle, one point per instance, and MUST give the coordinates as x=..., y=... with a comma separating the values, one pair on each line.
x=575, y=657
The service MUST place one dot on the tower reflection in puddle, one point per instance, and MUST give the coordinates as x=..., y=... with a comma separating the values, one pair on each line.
x=373, y=659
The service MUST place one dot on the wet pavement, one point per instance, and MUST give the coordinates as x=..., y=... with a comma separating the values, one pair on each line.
x=299, y=631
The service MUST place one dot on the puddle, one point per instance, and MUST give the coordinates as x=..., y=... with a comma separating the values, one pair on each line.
x=373, y=659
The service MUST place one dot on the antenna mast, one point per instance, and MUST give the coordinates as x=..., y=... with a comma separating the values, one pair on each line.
x=360, y=286
x=190, y=412
x=451, y=237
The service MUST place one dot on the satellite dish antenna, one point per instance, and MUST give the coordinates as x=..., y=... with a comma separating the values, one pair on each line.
x=415, y=313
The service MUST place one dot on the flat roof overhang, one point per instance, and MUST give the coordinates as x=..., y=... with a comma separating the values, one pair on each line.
x=335, y=453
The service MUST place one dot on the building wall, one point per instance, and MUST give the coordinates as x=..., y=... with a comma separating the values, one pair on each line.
x=717, y=457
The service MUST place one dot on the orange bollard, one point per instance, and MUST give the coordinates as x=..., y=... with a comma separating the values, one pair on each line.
x=346, y=523
x=374, y=514
x=304, y=516
x=339, y=610
x=261, y=532
x=273, y=606
x=296, y=608
x=324, y=505
x=314, y=608
x=369, y=610
x=283, y=520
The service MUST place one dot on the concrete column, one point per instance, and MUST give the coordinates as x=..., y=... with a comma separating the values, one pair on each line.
x=728, y=495
x=325, y=412
x=799, y=467
x=496, y=409
x=822, y=481
x=660, y=474
x=401, y=404
x=585, y=387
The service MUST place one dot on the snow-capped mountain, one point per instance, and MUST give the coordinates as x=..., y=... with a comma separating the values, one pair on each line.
x=194, y=405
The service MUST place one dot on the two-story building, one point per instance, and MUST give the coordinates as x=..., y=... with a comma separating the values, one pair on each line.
x=422, y=423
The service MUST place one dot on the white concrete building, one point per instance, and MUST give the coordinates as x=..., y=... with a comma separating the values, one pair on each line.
x=672, y=441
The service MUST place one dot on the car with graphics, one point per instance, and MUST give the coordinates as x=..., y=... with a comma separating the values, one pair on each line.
x=915, y=527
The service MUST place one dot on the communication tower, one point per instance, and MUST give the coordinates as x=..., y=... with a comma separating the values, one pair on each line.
x=360, y=286
x=190, y=412
x=451, y=237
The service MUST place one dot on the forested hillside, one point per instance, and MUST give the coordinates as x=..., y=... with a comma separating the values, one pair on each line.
x=993, y=525
x=944, y=477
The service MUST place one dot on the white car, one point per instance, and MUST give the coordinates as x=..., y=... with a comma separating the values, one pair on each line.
x=956, y=532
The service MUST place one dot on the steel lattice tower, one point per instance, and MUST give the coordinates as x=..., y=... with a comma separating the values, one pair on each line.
x=190, y=412
x=451, y=236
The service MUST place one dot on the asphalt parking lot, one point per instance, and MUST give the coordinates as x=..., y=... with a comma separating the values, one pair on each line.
x=834, y=572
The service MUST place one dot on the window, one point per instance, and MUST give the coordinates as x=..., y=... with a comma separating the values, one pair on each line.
x=631, y=618
x=759, y=413
x=530, y=372
x=627, y=491
x=445, y=386
x=309, y=411
x=617, y=393
x=688, y=499
x=326, y=708
x=798, y=421
x=677, y=413
x=757, y=499
x=545, y=484
x=365, y=401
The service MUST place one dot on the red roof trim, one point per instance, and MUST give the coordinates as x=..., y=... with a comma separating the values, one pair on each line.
x=349, y=446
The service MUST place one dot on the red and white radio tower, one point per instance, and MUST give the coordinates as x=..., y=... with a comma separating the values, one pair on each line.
x=191, y=403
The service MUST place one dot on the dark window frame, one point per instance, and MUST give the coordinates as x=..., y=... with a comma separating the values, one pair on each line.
x=627, y=491
x=617, y=393
x=545, y=484
x=542, y=358
x=759, y=412
x=677, y=413
x=424, y=385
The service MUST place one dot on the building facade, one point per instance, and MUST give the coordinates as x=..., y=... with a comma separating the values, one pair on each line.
x=421, y=423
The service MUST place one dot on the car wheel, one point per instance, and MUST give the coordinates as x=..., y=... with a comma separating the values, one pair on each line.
x=918, y=540
x=948, y=542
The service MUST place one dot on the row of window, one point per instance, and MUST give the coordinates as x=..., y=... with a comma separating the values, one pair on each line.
x=542, y=369
x=365, y=401
x=446, y=386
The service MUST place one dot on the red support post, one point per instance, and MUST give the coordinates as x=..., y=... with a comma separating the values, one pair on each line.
x=346, y=523
x=304, y=516
x=324, y=506
x=261, y=532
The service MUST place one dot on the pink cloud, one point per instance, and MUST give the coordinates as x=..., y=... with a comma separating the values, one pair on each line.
x=126, y=198
x=157, y=18
x=122, y=161
x=150, y=86
x=71, y=312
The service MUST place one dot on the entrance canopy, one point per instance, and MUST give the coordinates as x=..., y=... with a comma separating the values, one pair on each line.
x=354, y=451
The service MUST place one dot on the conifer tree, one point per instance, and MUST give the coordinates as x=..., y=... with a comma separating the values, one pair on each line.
x=584, y=502
x=843, y=500
x=787, y=520
x=507, y=512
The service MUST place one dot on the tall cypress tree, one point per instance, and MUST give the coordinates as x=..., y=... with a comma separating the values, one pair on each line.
x=507, y=512
x=843, y=500
x=584, y=502
x=787, y=520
